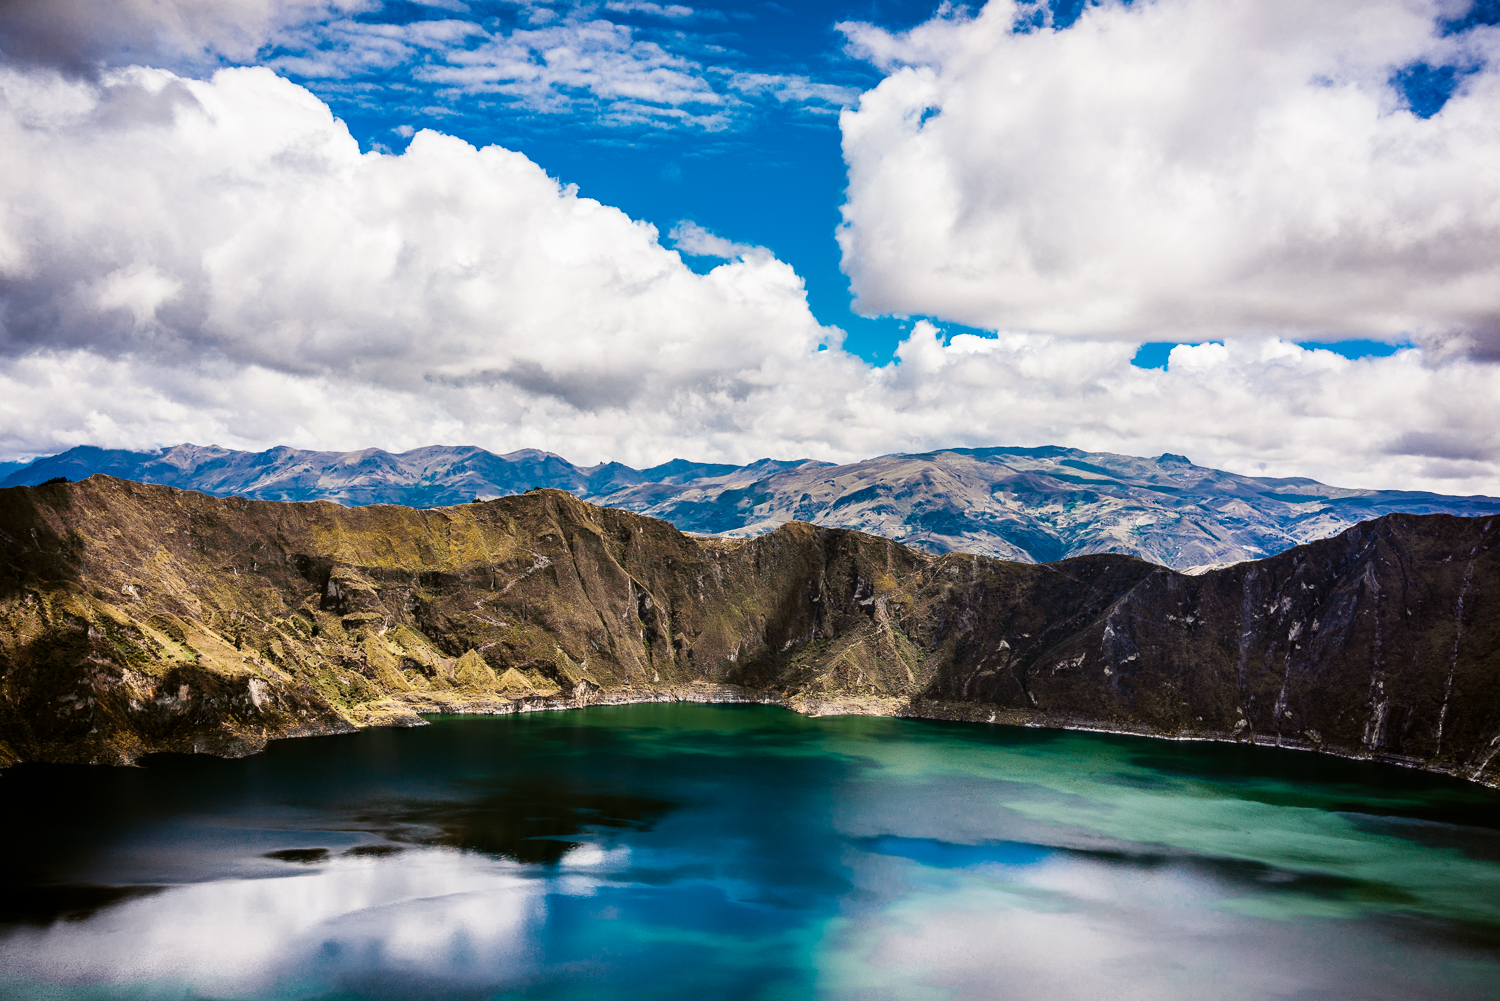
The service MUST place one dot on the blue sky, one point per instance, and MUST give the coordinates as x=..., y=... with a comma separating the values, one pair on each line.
x=1258, y=233
x=770, y=174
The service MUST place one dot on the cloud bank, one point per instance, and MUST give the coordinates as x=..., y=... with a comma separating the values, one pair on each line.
x=217, y=261
x=160, y=218
x=1181, y=170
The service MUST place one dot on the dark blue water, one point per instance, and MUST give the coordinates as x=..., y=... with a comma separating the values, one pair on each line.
x=680, y=851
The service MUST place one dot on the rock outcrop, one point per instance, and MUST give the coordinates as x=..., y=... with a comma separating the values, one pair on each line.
x=137, y=618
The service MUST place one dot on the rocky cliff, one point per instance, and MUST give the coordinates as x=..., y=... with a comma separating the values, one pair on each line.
x=136, y=618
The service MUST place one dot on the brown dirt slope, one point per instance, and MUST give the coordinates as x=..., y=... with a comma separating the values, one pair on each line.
x=138, y=618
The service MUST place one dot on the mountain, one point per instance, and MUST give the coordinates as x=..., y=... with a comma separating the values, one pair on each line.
x=1038, y=505
x=1031, y=504
x=138, y=618
x=424, y=477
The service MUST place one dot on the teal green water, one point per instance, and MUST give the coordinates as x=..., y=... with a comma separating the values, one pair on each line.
x=685, y=851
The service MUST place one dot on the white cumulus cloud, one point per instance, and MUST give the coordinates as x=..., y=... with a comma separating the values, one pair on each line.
x=157, y=216
x=691, y=238
x=216, y=261
x=1180, y=170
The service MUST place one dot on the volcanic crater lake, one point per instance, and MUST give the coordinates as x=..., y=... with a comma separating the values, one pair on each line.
x=693, y=851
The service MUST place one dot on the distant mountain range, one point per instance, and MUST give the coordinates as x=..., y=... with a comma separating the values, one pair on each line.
x=1030, y=504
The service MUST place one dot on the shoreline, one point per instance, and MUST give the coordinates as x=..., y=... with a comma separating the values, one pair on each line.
x=411, y=709
x=407, y=709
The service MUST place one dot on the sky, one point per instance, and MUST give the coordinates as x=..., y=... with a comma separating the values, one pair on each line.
x=1262, y=234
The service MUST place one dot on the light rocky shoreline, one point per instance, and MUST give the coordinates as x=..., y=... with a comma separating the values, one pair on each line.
x=408, y=711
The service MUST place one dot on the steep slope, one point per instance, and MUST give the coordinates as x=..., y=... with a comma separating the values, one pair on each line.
x=1028, y=504
x=137, y=618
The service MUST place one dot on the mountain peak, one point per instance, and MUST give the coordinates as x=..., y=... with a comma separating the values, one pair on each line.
x=1032, y=504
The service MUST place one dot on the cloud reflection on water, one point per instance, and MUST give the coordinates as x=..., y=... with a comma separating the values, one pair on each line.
x=744, y=852
x=438, y=910
x=1068, y=925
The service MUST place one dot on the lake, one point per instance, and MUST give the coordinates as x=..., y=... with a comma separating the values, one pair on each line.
x=695, y=851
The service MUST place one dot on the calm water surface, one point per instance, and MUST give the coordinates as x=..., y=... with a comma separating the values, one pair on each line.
x=682, y=851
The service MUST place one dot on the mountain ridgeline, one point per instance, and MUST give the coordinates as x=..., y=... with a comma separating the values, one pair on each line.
x=1035, y=505
x=138, y=618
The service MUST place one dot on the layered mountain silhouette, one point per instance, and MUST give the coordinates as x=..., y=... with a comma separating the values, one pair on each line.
x=1035, y=505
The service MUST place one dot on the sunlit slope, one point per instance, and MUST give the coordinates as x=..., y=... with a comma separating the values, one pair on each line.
x=1028, y=504
x=137, y=618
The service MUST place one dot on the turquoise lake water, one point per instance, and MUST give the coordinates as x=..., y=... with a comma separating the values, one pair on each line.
x=688, y=851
